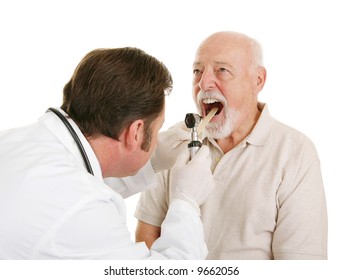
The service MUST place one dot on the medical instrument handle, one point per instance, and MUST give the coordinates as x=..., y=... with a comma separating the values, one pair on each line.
x=192, y=121
x=193, y=147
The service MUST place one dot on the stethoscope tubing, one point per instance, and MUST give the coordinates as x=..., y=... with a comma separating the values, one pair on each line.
x=75, y=137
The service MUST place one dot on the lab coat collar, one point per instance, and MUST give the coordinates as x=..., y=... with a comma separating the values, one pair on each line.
x=56, y=127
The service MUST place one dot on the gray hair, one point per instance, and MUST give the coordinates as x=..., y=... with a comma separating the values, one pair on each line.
x=257, y=51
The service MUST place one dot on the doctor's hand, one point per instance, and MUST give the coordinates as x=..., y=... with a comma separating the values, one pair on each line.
x=170, y=144
x=192, y=180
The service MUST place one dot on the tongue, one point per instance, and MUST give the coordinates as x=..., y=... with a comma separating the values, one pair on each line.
x=217, y=105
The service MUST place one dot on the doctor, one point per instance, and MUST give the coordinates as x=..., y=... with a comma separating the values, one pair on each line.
x=54, y=202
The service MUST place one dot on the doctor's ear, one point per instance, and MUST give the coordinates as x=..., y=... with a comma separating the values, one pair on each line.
x=134, y=135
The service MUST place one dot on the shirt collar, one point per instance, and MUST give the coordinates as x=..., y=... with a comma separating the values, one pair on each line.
x=55, y=125
x=260, y=134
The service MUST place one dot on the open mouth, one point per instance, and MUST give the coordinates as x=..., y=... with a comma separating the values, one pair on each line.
x=210, y=103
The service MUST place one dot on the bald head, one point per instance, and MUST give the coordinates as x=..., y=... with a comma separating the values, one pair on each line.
x=228, y=41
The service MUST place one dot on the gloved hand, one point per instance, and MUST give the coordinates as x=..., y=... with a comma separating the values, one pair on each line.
x=192, y=180
x=169, y=146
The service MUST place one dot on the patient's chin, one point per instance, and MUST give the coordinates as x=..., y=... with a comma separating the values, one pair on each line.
x=218, y=130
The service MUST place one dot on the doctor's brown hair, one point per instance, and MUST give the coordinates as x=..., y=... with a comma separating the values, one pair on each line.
x=111, y=88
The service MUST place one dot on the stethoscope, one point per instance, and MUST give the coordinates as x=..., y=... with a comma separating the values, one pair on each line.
x=75, y=137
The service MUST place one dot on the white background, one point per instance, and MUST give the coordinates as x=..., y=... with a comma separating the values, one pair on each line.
x=43, y=41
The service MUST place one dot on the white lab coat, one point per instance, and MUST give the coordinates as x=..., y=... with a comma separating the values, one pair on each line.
x=51, y=208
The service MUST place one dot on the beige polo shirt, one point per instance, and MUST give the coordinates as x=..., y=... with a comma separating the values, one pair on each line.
x=269, y=200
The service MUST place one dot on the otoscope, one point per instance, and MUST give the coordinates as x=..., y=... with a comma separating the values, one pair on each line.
x=192, y=121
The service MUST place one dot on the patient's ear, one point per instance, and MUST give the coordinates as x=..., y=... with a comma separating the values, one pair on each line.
x=261, y=76
x=134, y=135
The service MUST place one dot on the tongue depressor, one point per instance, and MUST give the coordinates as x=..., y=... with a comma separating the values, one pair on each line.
x=207, y=119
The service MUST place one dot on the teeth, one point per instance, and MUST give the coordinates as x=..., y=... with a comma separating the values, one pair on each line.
x=209, y=101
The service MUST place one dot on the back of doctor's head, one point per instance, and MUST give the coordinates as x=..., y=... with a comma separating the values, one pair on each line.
x=111, y=88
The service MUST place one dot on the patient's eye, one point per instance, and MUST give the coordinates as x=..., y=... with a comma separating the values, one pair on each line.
x=197, y=74
x=223, y=73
